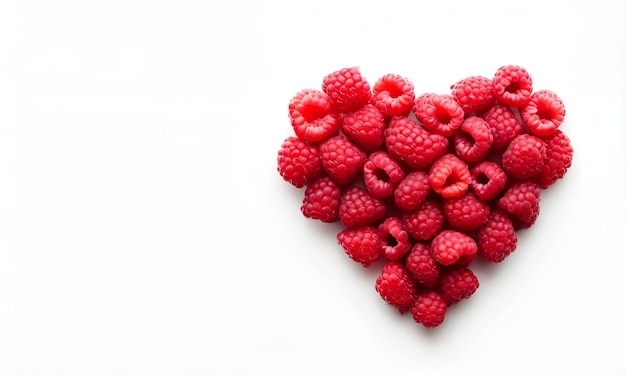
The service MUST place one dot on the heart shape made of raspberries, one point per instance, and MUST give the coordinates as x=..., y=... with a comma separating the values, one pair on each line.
x=427, y=182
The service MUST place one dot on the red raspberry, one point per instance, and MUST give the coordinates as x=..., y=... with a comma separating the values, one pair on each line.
x=439, y=113
x=450, y=245
x=521, y=202
x=429, y=309
x=298, y=162
x=347, y=89
x=409, y=142
x=341, y=159
x=543, y=113
x=394, y=239
x=358, y=207
x=524, y=157
x=365, y=127
x=457, y=284
x=497, y=239
x=488, y=180
x=396, y=287
x=412, y=191
x=381, y=174
x=321, y=200
x=465, y=260
x=474, y=139
x=449, y=176
x=558, y=159
x=504, y=125
x=474, y=94
x=466, y=213
x=425, y=222
x=422, y=265
x=393, y=95
x=313, y=116
x=512, y=85
x=362, y=244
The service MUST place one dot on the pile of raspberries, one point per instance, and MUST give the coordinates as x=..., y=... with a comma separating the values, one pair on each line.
x=426, y=182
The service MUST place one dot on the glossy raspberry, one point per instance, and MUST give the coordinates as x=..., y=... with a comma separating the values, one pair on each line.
x=558, y=159
x=411, y=191
x=512, y=85
x=450, y=245
x=347, y=89
x=321, y=200
x=409, y=142
x=313, y=116
x=497, y=239
x=382, y=174
x=358, y=207
x=466, y=213
x=449, y=176
x=521, y=202
x=393, y=95
x=474, y=139
x=425, y=222
x=474, y=94
x=341, y=159
x=457, y=284
x=439, y=113
x=524, y=157
x=394, y=239
x=504, y=125
x=487, y=180
x=362, y=244
x=429, y=309
x=365, y=127
x=298, y=162
x=422, y=266
x=543, y=113
x=396, y=287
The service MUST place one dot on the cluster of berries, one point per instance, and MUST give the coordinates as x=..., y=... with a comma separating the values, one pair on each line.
x=427, y=182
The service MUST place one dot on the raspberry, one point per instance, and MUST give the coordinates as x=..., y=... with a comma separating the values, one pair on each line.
x=429, y=309
x=341, y=159
x=558, y=159
x=425, y=222
x=381, y=174
x=543, y=113
x=394, y=239
x=298, y=162
x=524, y=157
x=362, y=244
x=504, y=125
x=450, y=245
x=521, y=202
x=474, y=94
x=487, y=180
x=439, y=113
x=358, y=207
x=411, y=191
x=396, y=287
x=465, y=260
x=449, y=176
x=313, y=116
x=457, y=284
x=497, y=239
x=409, y=142
x=474, y=139
x=365, y=127
x=321, y=200
x=466, y=213
x=347, y=89
x=422, y=265
x=393, y=95
x=512, y=85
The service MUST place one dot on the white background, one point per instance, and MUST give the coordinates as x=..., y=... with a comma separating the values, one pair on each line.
x=144, y=229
